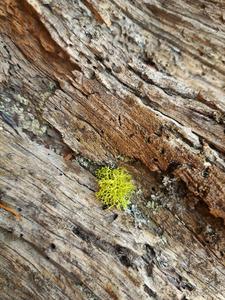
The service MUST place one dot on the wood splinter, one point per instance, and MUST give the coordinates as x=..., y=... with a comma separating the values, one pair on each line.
x=11, y=210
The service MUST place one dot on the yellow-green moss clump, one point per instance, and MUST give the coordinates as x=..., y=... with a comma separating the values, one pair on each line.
x=115, y=187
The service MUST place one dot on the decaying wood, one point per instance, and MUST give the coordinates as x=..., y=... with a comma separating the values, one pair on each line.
x=88, y=83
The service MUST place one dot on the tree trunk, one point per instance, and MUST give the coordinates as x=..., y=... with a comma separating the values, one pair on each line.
x=138, y=84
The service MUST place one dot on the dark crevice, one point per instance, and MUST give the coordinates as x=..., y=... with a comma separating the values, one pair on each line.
x=123, y=254
x=150, y=292
x=9, y=121
x=203, y=209
x=53, y=246
x=149, y=258
x=172, y=167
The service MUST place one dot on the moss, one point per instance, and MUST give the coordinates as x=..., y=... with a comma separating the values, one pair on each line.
x=115, y=187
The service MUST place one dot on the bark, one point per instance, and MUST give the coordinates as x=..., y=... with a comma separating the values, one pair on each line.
x=132, y=83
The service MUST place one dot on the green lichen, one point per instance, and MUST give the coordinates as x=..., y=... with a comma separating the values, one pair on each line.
x=115, y=187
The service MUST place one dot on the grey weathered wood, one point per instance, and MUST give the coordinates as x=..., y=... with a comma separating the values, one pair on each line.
x=87, y=83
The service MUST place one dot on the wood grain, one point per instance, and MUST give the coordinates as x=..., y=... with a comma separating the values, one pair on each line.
x=105, y=81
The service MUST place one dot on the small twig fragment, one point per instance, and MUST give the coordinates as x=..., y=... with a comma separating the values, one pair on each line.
x=11, y=210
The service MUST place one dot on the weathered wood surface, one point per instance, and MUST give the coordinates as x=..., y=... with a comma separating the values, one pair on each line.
x=140, y=82
x=66, y=247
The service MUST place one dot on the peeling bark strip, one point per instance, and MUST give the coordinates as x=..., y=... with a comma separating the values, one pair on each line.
x=141, y=80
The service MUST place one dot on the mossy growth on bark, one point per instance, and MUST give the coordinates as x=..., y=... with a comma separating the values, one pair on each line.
x=115, y=187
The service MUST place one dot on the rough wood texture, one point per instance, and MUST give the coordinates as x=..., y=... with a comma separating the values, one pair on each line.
x=86, y=83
